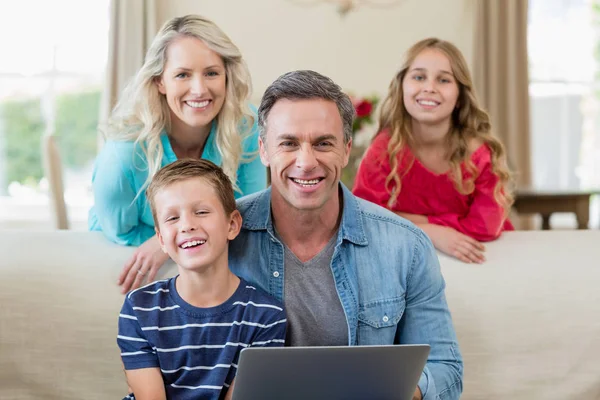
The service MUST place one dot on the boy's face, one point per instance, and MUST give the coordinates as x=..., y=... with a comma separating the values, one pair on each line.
x=193, y=227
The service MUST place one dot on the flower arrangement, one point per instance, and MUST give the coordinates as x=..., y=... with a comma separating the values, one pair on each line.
x=365, y=108
x=363, y=123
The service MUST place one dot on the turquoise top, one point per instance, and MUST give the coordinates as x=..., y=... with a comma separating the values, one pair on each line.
x=120, y=172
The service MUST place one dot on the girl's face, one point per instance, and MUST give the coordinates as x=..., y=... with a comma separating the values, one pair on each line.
x=430, y=89
x=193, y=83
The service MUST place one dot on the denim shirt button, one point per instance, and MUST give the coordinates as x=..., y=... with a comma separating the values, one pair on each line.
x=276, y=275
x=385, y=318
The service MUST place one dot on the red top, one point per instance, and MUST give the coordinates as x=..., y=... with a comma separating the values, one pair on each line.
x=424, y=192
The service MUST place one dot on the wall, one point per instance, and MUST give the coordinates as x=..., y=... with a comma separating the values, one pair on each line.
x=360, y=51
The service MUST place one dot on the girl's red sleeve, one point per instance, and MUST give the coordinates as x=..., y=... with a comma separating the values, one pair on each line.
x=485, y=219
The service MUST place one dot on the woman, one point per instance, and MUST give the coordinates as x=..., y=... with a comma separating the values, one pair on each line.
x=188, y=100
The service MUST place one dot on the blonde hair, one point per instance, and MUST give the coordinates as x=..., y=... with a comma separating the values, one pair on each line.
x=185, y=169
x=142, y=113
x=469, y=121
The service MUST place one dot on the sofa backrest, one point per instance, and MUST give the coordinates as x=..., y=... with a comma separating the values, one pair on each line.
x=528, y=320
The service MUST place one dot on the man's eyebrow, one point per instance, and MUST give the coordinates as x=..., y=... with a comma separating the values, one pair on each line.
x=330, y=137
x=291, y=136
x=286, y=136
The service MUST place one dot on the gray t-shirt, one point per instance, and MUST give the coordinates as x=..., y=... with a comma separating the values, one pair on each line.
x=314, y=310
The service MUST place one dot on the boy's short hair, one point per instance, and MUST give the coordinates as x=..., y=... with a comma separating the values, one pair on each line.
x=188, y=168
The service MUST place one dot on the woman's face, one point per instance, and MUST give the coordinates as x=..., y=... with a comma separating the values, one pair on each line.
x=193, y=83
x=430, y=89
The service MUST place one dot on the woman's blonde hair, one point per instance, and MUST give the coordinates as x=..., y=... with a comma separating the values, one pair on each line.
x=469, y=121
x=142, y=113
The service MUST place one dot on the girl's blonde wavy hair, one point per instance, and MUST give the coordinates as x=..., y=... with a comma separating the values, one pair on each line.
x=142, y=113
x=469, y=121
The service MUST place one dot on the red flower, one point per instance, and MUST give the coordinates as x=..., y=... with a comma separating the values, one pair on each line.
x=364, y=108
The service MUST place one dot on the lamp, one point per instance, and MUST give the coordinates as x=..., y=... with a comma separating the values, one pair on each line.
x=345, y=6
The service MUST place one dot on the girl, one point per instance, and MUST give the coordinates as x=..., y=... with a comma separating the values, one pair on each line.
x=434, y=160
x=188, y=100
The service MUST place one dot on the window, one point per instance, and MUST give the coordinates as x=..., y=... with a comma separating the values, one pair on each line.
x=564, y=73
x=51, y=77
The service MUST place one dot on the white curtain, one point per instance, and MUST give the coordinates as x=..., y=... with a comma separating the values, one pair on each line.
x=502, y=82
x=133, y=25
x=502, y=79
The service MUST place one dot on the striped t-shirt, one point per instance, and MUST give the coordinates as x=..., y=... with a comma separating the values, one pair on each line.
x=196, y=349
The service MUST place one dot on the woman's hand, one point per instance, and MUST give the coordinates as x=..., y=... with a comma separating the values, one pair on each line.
x=145, y=262
x=454, y=243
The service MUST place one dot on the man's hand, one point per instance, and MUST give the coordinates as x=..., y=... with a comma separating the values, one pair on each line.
x=454, y=243
x=145, y=262
x=417, y=395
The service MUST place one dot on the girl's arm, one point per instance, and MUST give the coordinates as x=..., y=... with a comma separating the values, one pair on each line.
x=449, y=240
x=485, y=218
x=414, y=218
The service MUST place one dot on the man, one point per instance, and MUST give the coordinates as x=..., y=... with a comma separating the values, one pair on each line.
x=348, y=271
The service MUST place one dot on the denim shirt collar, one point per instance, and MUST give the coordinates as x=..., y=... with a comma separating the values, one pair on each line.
x=258, y=217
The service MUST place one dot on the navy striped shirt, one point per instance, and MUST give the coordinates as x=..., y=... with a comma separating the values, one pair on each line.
x=196, y=349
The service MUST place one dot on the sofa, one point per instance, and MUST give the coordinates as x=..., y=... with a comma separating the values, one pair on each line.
x=528, y=320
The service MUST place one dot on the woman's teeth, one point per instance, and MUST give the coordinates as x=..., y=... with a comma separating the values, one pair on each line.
x=197, y=104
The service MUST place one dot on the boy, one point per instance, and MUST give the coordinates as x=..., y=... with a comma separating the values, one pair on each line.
x=180, y=338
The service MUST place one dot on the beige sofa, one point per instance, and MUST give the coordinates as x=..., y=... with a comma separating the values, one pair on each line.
x=528, y=321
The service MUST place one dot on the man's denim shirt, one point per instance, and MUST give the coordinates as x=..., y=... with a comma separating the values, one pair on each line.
x=387, y=276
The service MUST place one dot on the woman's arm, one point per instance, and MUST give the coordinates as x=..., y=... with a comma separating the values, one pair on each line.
x=115, y=208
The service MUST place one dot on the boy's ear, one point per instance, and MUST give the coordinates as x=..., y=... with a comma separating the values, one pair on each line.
x=160, y=240
x=235, y=225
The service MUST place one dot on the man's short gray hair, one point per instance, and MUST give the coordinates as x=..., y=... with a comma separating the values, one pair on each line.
x=306, y=84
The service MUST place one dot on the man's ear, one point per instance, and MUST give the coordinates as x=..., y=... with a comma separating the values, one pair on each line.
x=347, y=151
x=160, y=240
x=158, y=81
x=262, y=148
x=235, y=225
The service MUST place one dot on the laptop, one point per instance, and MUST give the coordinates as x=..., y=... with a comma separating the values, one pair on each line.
x=330, y=372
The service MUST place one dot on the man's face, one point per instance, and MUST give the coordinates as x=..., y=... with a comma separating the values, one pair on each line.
x=304, y=147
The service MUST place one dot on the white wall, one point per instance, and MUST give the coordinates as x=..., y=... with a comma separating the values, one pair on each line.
x=360, y=51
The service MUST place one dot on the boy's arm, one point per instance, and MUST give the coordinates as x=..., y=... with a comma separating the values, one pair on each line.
x=139, y=358
x=146, y=383
x=273, y=335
